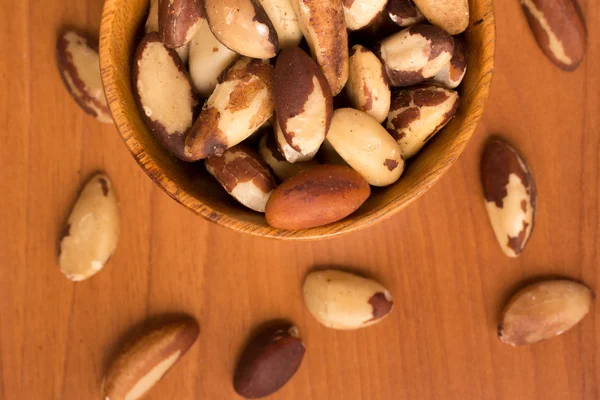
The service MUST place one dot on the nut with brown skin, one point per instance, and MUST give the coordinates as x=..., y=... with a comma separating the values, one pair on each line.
x=361, y=13
x=243, y=26
x=453, y=73
x=241, y=102
x=164, y=93
x=559, y=28
x=415, y=54
x=243, y=175
x=510, y=196
x=208, y=59
x=543, y=310
x=323, y=26
x=91, y=233
x=282, y=15
x=367, y=86
x=341, y=300
x=449, y=15
x=317, y=196
x=79, y=66
x=152, y=26
x=417, y=114
x=269, y=361
x=282, y=168
x=404, y=13
x=178, y=21
x=144, y=362
x=366, y=146
x=303, y=105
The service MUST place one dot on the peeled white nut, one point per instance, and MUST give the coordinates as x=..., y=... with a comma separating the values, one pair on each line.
x=341, y=300
x=361, y=13
x=543, y=310
x=243, y=175
x=282, y=15
x=417, y=114
x=282, y=168
x=178, y=21
x=303, y=105
x=208, y=59
x=415, y=54
x=323, y=26
x=367, y=87
x=92, y=231
x=453, y=73
x=243, y=26
x=241, y=102
x=510, y=196
x=404, y=12
x=449, y=15
x=163, y=93
x=366, y=146
x=79, y=66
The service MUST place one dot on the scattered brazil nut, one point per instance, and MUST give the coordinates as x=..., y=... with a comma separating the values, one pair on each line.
x=241, y=102
x=367, y=86
x=453, y=73
x=510, y=196
x=450, y=15
x=415, y=54
x=323, y=26
x=243, y=26
x=243, y=175
x=341, y=300
x=282, y=168
x=208, y=59
x=303, y=105
x=317, y=196
x=178, y=21
x=543, y=310
x=91, y=233
x=142, y=363
x=404, y=13
x=366, y=146
x=417, y=114
x=361, y=13
x=269, y=361
x=559, y=28
x=79, y=66
x=282, y=15
x=164, y=93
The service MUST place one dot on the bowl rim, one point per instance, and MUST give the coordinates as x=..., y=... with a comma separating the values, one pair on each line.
x=125, y=128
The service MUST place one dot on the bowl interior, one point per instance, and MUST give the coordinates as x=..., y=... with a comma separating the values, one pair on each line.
x=190, y=184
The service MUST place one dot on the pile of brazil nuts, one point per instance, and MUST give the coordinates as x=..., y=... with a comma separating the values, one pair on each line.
x=210, y=74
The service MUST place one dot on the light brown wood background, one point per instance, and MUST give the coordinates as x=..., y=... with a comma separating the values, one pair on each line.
x=439, y=257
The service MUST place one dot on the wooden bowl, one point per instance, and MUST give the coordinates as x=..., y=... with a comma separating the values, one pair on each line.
x=190, y=184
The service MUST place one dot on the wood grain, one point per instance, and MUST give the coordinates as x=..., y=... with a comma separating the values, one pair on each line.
x=190, y=185
x=438, y=257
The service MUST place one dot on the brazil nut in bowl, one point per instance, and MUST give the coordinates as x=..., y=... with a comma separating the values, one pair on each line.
x=231, y=116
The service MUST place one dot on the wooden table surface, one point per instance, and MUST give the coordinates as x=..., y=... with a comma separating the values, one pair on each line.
x=439, y=257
